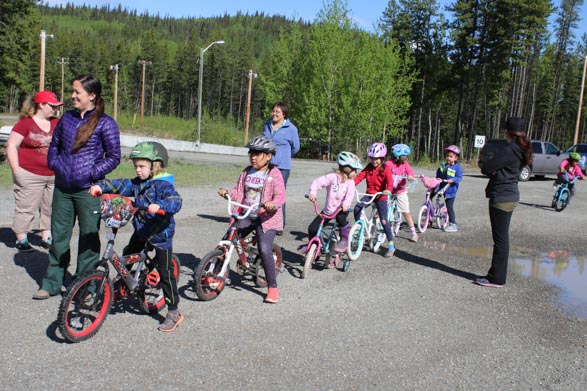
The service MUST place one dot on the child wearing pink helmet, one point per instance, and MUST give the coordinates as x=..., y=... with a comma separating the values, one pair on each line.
x=451, y=173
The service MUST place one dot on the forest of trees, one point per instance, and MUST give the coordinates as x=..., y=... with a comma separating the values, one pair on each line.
x=418, y=79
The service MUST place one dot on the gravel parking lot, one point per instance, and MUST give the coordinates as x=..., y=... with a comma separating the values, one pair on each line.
x=411, y=322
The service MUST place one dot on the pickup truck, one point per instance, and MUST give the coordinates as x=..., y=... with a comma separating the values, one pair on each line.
x=547, y=158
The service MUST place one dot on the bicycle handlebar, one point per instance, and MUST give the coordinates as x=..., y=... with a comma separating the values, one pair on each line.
x=319, y=213
x=371, y=199
x=248, y=208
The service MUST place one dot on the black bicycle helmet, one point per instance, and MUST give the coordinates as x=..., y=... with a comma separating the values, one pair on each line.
x=263, y=144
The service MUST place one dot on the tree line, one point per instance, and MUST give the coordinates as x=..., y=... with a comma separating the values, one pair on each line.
x=418, y=79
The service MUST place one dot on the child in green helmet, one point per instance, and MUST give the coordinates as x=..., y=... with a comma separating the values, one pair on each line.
x=569, y=169
x=152, y=189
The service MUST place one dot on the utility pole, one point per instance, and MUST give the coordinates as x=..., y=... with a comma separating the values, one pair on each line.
x=43, y=37
x=200, y=78
x=62, y=62
x=576, y=139
x=251, y=75
x=144, y=64
x=115, y=68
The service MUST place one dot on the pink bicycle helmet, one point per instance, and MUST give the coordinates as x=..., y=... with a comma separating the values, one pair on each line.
x=454, y=149
x=377, y=150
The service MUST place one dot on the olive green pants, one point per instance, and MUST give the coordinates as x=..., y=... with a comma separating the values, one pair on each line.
x=69, y=206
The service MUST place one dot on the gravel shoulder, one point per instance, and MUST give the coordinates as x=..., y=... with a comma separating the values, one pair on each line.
x=412, y=322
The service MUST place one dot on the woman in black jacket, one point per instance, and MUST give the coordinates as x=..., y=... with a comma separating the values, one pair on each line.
x=502, y=163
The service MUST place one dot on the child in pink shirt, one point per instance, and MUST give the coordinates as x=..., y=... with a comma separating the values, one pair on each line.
x=340, y=191
x=570, y=167
x=402, y=173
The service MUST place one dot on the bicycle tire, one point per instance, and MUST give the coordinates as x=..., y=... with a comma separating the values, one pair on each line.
x=85, y=306
x=311, y=255
x=423, y=218
x=151, y=297
x=395, y=220
x=260, y=279
x=562, y=200
x=442, y=218
x=356, y=241
x=206, y=281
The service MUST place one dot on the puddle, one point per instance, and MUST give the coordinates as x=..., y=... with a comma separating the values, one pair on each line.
x=559, y=268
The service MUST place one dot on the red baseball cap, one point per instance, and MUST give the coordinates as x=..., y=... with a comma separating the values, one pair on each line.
x=47, y=97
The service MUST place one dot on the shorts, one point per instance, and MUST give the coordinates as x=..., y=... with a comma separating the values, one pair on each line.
x=403, y=203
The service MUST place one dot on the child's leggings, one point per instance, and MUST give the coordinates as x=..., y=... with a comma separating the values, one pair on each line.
x=264, y=244
x=341, y=221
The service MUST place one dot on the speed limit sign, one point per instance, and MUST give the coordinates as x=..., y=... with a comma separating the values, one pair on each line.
x=479, y=141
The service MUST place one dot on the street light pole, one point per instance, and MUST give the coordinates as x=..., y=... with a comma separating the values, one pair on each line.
x=200, y=77
x=576, y=138
x=115, y=68
x=43, y=37
x=144, y=63
x=62, y=62
x=251, y=75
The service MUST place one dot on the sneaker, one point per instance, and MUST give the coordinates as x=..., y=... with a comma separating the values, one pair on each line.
x=41, y=294
x=46, y=243
x=451, y=228
x=272, y=295
x=23, y=246
x=303, y=248
x=483, y=281
x=414, y=237
x=172, y=321
x=279, y=233
x=390, y=251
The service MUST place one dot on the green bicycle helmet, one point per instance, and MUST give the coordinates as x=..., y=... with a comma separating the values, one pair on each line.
x=150, y=150
x=575, y=156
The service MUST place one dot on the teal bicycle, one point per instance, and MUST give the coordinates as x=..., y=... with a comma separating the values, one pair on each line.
x=562, y=196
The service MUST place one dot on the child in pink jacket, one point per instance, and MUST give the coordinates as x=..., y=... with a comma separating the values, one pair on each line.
x=340, y=191
x=262, y=183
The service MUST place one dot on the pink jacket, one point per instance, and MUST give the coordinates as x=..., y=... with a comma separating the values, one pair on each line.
x=397, y=170
x=274, y=191
x=337, y=193
x=574, y=171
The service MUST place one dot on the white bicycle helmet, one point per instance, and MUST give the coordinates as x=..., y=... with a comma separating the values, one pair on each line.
x=401, y=150
x=377, y=150
x=263, y=144
x=349, y=159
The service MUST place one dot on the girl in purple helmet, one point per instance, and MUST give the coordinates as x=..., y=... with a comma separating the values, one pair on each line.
x=379, y=179
x=451, y=173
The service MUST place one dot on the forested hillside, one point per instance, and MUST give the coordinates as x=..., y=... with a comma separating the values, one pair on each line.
x=419, y=79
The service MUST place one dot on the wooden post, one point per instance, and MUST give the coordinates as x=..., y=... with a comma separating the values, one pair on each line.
x=576, y=139
x=251, y=75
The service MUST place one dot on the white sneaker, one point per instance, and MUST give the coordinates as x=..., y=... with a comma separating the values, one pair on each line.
x=414, y=237
x=451, y=228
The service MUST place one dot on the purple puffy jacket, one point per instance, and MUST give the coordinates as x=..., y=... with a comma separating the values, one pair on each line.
x=93, y=161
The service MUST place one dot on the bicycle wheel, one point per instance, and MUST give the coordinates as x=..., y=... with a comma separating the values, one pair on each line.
x=379, y=235
x=260, y=278
x=442, y=218
x=206, y=279
x=85, y=306
x=311, y=255
x=396, y=220
x=554, y=199
x=152, y=298
x=356, y=240
x=423, y=218
x=562, y=201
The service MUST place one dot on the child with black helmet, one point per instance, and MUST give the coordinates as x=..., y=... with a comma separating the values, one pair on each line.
x=152, y=189
x=451, y=173
x=261, y=183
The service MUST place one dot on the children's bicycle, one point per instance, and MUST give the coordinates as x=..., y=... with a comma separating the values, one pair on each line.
x=88, y=299
x=211, y=274
x=323, y=243
x=562, y=195
x=368, y=229
x=434, y=206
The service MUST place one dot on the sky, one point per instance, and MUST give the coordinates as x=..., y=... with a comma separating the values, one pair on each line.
x=366, y=13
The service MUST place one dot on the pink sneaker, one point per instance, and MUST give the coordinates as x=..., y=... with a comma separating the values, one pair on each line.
x=272, y=295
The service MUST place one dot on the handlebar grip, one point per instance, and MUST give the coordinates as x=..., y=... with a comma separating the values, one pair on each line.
x=161, y=212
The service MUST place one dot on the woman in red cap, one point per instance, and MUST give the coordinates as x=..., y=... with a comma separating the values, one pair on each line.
x=27, y=148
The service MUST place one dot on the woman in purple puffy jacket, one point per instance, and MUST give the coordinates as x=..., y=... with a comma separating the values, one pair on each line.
x=85, y=147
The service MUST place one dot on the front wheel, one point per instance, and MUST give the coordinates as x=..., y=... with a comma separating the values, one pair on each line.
x=152, y=298
x=356, y=240
x=442, y=218
x=85, y=306
x=260, y=276
x=562, y=201
x=423, y=218
x=525, y=174
x=208, y=283
x=311, y=255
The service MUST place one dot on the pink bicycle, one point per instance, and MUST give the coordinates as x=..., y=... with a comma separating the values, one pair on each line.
x=434, y=207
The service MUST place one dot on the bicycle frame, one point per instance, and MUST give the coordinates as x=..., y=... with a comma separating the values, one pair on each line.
x=368, y=227
x=433, y=208
x=323, y=241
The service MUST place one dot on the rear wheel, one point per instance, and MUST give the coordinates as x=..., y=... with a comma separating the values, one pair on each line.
x=85, y=306
x=152, y=298
x=525, y=173
x=260, y=277
x=396, y=220
x=356, y=240
x=562, y=201
x=423, y=218
x=379, y=235
x=442, y=218
x=311, y=255
x=208, y=283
